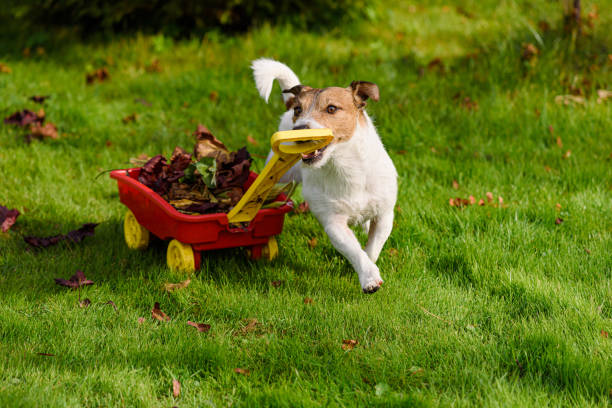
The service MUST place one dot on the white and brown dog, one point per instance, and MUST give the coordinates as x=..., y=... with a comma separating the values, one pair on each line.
x=350, y=181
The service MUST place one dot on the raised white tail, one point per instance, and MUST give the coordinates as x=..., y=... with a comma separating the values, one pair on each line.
x=265, y=71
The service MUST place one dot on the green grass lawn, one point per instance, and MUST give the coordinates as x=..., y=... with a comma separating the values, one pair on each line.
x=496, y=305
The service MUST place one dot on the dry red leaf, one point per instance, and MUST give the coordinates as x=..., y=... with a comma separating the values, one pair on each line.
x=84, y=303
x=559, y=142
x=42, y=131
x=141, y=320
x=455, y=185
x=7, y=218
x=213, y=96
x=277, y=283
x=489, y=196
x=529, y=52
x=252, y=325
x=567, y=154
x=202, y=327
x=500, y=200
x=171, y=287
x=157, y=313
x=73, y=236
x=349, y=344
x=308, y=301
x=604, y=333
x=25, y=118
x=98, y=75
x=312, y=243
x=558, y=207
x=472, y=200
x=75, y=281
x=481, y=202
x=176, y=388
x=559, y=221
x=111, y=303
x=242, y=371
x=587, y=250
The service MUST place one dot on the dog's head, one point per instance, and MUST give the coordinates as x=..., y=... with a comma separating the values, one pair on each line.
x=336, y=108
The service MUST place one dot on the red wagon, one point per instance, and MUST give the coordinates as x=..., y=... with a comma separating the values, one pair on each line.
x=247, y=225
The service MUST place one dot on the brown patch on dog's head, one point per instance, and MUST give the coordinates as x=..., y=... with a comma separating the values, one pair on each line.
x=335, y=108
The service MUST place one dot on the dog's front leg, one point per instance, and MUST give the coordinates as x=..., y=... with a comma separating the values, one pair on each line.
x=380, y=229
x=343, y=239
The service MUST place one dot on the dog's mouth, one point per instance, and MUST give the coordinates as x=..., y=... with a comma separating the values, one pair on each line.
x=312, y=157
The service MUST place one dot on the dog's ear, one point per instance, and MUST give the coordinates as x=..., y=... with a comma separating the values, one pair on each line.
x=295, y=90
x=362, y=90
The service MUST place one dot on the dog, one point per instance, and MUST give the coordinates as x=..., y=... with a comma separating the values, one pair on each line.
x=351, y=181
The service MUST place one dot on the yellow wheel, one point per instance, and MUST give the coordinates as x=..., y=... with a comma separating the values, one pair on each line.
x=180, y=257
x=136, y=236
x=270, y=250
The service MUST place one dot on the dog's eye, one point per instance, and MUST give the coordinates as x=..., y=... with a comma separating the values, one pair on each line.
x=297, y=110
x=331, y=109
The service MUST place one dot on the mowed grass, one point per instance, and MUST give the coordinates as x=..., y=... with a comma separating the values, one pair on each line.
x=487, y=305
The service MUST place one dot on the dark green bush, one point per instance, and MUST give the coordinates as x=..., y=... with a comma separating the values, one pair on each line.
x=176, y=17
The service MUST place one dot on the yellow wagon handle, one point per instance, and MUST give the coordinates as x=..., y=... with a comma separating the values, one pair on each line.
x=288, y=147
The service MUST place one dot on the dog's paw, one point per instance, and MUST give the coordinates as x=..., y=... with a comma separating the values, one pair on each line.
x=372, y=281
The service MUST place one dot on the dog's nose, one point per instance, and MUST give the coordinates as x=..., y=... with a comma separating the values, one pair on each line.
x=301, y=127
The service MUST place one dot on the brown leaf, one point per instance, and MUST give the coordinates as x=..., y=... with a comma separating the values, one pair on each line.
x=111, y=303
x=207, y=145
x=277, y=283
x=559, y=142
x=171, y=287
x=75, y=281
x=98, y=75
x=84, y=303
x=604, y=333
x=39, y=98
x=558, y=207
x=75, y=236
x=567, y=154
x=481, y=202
x=348, y=344
x=312, y=243
x=251, y=140
x=24, y=118
x=40, y=132
x=559, y=221
x=130, y=118
x=5, y=69
x=157, y=313
x=251, y=325
x=551, y=130
x=587, y=250
x=213, y=96
x=401, y=152
x=489, y=196
x=176, y=388
x=242, y=371
x=455, y=185
x=141, y=320
x=7, y=218
x=202, y=327
x=529, y=52
x=308, y=301
x=472, y=200
x=46, y=354
x=393, y=252
x=500, y=200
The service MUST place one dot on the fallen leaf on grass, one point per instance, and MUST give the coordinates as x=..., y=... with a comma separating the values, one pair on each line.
x=251, y=140
x=84, y=303
x=98, y=75
x=587, y=250
x=73, y=236
x=154, y=66
x=157, y=313
x=348, y=344
x=458, y=202
x=130, y=118
x=603, y=95
x=171, y=287
x=559, y=221
x=5, y=69
x=529, y=52
x=141, y=320
x=277, y=283
x=202, y=327
x=489, y=196
x=75, y=281
x=111, y=303
x=559, y=143
x=7, y=218
x=455, y=185
x=242, y=371
x=604, y=334
x=176, y=388
x=25, y=118
x=481, y=202
x=567, y=154
x=393, y=252
x=252, y=325
x=308, y=301
x=558, y=207
x=213, y=96
x=39, y=98
x=312, y=243
x=569, y=99
x=42, y=131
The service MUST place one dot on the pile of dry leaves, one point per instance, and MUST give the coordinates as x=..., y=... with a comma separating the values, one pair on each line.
x=209, y=180
x=34, y=122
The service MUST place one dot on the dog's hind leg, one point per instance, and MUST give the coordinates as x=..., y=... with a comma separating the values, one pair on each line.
x=380, y=229
x=344, y=240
